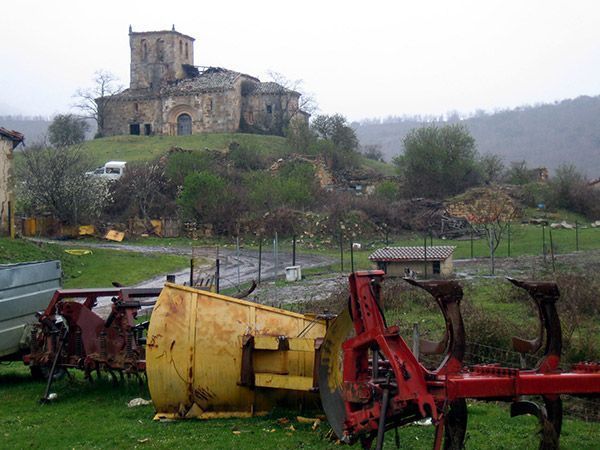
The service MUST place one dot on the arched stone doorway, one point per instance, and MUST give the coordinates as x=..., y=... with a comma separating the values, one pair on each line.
x=184, y=125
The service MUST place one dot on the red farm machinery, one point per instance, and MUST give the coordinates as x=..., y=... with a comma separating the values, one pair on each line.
x=370, y=381
x=70, y=334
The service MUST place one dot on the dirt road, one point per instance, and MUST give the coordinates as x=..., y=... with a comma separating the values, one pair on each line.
x=235, y=269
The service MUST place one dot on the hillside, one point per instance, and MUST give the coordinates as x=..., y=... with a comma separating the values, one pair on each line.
x=34, y=128
x=141, y=148
x=543, y=135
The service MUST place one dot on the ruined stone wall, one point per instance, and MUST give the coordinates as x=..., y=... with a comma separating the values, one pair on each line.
x=120, y=114
x=269, y=112
x=158, y=56
x=6, y=171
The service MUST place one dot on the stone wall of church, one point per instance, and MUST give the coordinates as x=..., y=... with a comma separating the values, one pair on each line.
x=121, y=115
x=210, y=112
x=158, y=56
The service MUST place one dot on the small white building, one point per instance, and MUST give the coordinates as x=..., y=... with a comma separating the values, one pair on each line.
x=400, y=261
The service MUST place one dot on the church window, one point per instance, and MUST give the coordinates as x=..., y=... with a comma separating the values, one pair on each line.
x=209, y=104
x=180, y=47
x=160, y=50
x=269, y=109
x=136, y=107
x=186, y=50
x=147, y=129
x=184, y=125
x=144, y=50
x=134, y=128
x=250, y=117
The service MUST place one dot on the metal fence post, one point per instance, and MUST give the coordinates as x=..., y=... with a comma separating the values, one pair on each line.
x=341, y=249
x=509, y=239
x=552, y=250
x=425, y=255
x=294, y=250
x=415, y=342
x=259, y=258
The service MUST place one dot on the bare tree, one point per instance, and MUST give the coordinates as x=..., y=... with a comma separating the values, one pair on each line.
x=306, y=102
x=93, y=102
x=490, y=210
x=52, y=180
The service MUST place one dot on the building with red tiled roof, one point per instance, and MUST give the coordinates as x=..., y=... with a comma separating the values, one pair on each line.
x=424, y=261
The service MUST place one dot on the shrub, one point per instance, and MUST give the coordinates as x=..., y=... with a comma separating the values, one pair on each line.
x=210, y=199
x=246, y=158
x=182, y=163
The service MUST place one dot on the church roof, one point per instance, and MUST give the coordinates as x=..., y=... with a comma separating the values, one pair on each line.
x=212, y=79
x=268, y=87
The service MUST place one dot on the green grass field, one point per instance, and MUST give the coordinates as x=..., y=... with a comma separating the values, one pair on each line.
x=98, y=269
x=95, y=415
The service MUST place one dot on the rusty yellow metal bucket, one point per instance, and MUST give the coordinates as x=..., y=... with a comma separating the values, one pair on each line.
x=209, y=355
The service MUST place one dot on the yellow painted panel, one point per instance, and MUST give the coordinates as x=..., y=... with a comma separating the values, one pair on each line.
x=302, y=345
x=114, y=235
x=266, y=342
x=86, y=230
x=194, y=354
x=274, y=381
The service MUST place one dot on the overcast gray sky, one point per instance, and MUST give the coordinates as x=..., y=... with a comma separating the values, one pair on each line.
x=359, y=58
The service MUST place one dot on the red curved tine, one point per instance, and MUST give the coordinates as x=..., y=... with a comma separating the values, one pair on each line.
x=544, y=294
x=448, y=294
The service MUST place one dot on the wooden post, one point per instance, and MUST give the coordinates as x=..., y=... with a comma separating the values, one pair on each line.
x=351, y=255
x=294, y=250
x=576, y=235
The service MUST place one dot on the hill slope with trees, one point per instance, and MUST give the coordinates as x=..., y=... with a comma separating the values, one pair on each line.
x=544, y=135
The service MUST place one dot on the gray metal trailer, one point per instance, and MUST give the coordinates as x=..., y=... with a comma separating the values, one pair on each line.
x=25, y=288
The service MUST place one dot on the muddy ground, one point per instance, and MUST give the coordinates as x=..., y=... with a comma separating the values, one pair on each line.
x=320, y=287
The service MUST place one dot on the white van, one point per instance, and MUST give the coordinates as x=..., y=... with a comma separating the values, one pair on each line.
x=112, y=170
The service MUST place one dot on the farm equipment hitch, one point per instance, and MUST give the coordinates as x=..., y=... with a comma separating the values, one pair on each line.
x=370, y=381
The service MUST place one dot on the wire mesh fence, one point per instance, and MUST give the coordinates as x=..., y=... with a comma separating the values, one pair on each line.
x=587, y=409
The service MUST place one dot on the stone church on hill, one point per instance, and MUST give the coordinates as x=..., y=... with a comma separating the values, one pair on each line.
x=168, y=95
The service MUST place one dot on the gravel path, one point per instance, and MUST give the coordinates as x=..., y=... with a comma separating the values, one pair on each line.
x=235, y=269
